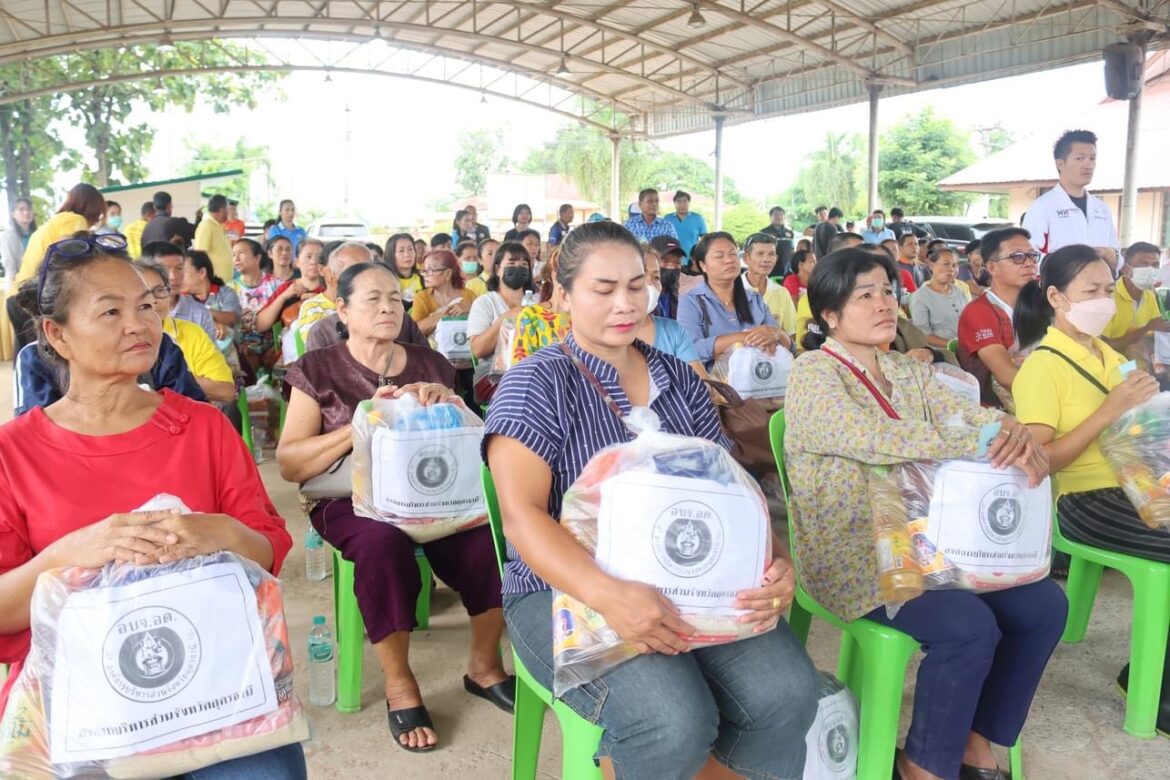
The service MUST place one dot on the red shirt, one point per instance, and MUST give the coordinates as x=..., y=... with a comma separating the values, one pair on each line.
x=982, y=324
x=907, y=280
x=54, y=481
x=792, y=284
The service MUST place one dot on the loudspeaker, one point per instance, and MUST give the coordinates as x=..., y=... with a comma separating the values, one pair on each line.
x=1123, y=70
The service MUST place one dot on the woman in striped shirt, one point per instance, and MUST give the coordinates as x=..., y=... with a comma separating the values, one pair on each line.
x=672, y=712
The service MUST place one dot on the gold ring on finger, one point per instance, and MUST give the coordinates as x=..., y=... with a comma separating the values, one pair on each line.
x=776, y=602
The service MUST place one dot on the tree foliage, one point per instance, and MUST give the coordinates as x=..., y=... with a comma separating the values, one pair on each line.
x=833, y=175
x=743, y=219
x=210, y=158
x=915, y=155
x=480, y=153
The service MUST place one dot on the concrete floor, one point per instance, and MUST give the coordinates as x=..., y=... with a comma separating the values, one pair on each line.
x=1074, y=730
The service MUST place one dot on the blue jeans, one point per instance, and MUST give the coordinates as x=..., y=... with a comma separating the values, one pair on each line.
x=985, y=654
x=748, y=703
x=282, y=763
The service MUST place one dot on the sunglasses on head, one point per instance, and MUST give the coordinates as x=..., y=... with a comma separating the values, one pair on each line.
x=76, y=248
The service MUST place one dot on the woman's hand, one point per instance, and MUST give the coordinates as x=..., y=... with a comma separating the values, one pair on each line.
x=1014, y=446
x=457, y=307
x=922, y=355
x=121, y=538
x=221, y=330
x=428, y=392
x=645, y=618
x=193, y=534
x=1137, y=388
x=769, y=601
x=765, y=337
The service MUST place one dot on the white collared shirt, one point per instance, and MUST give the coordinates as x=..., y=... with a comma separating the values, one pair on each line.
x=1055, y=221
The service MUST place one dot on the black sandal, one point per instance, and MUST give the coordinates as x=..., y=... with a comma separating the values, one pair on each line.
x=967, y=772
x=502, y=694
x=409, y=719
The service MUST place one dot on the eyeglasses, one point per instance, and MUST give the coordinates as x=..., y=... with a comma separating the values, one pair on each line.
x=77, y=248
x=758, y=238
x=1019, y=258
x=432, y=271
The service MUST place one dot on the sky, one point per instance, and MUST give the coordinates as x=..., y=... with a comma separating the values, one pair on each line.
x=385, y=146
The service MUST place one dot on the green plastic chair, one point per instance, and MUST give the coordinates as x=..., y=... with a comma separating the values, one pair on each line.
x=1151, y=620
x=579, y=737
x=953, y=346
x=245, y=417
x=351, y=630
x=872, y=662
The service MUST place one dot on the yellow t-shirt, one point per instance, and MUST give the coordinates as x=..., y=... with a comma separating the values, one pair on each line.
x=1048, y=391
x=477, y=285
x=803, y=318
x=1130, y=317
x=61, y=225
x=425, y=304
x=133, y=233
x=203, y=359
x=779, y=302
x=963, y=286
x=410, y=286
x=210, y=237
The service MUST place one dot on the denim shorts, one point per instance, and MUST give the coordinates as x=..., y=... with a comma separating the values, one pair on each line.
x=748, y=703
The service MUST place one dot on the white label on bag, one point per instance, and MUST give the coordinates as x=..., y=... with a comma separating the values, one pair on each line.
x=831, y=741
x=427, y=474
x=697, y=541
x=155, y=662
x=985, y=519
x=755, y=374
x=451, y=339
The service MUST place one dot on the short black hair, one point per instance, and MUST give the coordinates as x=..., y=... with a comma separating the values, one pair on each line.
x=147, y=209
x=523, y=234
x=832, y=282
x=973, y=246
x=465, y=245
x=819, y=209
x=897, y=212
x=838, y=241
x=161, y=200
x=156, y=249
x=908, y=234
x=439, y=239
x=774, y=210
x=646, y=192
x=110, y=203
x=1064, y=144
x=991, y=242
x=878, y=211
x=682, y=194
x=217, y=202
x=1141, y=248
x=836, y=212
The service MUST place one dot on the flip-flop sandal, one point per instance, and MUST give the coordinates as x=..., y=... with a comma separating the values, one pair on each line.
x=407, y=720
x=502, y=694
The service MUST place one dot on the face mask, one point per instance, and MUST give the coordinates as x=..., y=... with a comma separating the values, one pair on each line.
x=115, y=221
x=516, y=277
x=1146, y=278
x=654, y=293
x=670, y=279
x=470, y=267
x=878, y=224
x=1090, y=317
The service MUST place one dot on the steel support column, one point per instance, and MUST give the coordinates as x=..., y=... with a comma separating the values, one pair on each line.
x=615, y=181
x=1129, y=190
x=719, y=120
x=874, y=91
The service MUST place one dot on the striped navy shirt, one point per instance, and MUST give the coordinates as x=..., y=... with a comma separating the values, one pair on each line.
x=549, y=406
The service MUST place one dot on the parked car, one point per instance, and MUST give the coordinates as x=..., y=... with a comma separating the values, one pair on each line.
x=958, y=231
x=340, y=230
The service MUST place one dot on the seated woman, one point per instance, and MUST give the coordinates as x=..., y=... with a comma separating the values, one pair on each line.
x=402, y=256
x=74, y=470
x=935, y=307
x=803, y=262
x=1068, y=390
x=201, y=283
x=326, y=387
x=285, y=303
x=663, y=333
x=720, y=312
x=254, y=288
x=444, y=296
x=541, y=324
x=850, y=406
x=510, y=282
x=673, y=712
x=278, y=252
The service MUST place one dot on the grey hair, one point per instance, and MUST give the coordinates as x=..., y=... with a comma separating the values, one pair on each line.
x=334, y=257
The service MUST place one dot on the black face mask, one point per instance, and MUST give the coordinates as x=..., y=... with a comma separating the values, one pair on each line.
x=517, y=277
x=669, y=278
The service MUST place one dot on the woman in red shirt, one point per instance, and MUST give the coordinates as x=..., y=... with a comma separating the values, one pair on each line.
x=71, y=473
x=802, y=264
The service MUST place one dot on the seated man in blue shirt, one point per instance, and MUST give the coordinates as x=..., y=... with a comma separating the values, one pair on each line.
x=648, y=224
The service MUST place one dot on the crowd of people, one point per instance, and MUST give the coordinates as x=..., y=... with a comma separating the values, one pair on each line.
x=568, y=333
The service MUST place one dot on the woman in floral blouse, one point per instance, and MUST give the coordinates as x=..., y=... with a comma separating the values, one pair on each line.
x=851, y=405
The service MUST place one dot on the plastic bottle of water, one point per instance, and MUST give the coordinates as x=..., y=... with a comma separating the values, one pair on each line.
x=257, y=447
x=322, y=680
x=316, y=556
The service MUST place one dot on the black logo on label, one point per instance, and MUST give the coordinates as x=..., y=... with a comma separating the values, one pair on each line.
x=432, y=470
x=763, y=370
x=1001, y=514
x=459, y=337
x=151, y=654
x=837, y=744
x=688, y=539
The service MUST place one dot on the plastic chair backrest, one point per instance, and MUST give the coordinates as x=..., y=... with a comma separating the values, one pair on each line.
x=299, y=341
x=494, y=519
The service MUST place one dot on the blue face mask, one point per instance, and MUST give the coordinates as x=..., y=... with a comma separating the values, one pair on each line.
x=470, y=267
x=115, y=221
x=878, y=224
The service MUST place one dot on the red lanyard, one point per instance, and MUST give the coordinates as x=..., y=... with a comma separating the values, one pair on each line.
x=881, y=399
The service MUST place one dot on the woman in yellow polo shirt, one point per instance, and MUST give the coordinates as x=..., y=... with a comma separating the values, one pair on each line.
x=1069, y=390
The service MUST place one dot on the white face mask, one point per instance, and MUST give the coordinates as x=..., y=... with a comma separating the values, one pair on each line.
x=1146, y=278
x=1090, y=317
x=653, y=294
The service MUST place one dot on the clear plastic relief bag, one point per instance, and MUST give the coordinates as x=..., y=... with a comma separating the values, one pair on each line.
x=1137, y=447
x=957, y=524
x=417, y=467
x=753, y=373
x=675, y=512
x=151, y=671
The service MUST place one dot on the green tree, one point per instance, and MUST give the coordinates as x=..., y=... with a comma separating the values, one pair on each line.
x=583, y=155
x=670, y=171
x=743, y=219
x=992, y=139
x=915, y=155
x=210, y=158
x=480, y=153
x=31, y=155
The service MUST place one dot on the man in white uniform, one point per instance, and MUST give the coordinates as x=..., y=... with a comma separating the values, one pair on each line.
x=1068, y=214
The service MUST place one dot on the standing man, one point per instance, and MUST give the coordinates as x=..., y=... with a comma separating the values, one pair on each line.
x=234, y=226
x=826, y=230
x=900, y=226
x=1067, y=213
x=778, y=229
x=134, y=230
x=648, y=224
x=164, y=227
x=211, y=237
x=876, y=231
x=688, y=225
x=561, y=228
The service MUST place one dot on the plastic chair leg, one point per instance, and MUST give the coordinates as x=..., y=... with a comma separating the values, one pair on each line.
x=1147, y=652
x=422, y=608
x=799, y=620
x=881, y=705
x=1084, y=577
x=526, y=732
x=246, y=418
x=350, y=639
x=1016, y=759
x=579, y=740
x=848, y=663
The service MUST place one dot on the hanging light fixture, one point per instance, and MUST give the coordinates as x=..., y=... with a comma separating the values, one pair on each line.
x=328, y=77
x=483, y=98
x=563, y=68
x=166, y=43
x=696, y=19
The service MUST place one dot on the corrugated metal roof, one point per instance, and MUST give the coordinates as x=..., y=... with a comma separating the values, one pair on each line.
x=643, y=57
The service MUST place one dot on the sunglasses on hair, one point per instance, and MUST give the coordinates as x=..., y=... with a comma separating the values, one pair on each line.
x=76, y=248
x=758, y=238
x=1019, y=258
